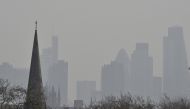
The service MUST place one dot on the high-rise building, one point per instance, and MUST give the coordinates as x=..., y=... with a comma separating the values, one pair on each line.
x=46, y=58
x=16, y=76
x=123, y=58
x=56, y=71
x=175, y=66
x=49, y=56
x=58, y=77
x=141, y=71
x=115, y=75
x=52, y=97
x=85, y=90
x=157, y=88
x=59, y=98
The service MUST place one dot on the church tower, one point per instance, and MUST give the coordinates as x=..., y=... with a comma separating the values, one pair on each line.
x=35, y=98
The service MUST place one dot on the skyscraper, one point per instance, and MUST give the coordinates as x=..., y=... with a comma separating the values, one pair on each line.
x=175, y=67
x=123, y=58
x=35, y=98
x=49, y=57
x=141, y=71
x=157, y=88
x=114, y=75
x=58, y=77
x=56, y=70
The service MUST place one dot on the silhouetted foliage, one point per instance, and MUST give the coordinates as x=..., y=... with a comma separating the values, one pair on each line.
x=18, y=95
x=123, y=102
x=137, y=102
x=176, y=103
x=11, y=96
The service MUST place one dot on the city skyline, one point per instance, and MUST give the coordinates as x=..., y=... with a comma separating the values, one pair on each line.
x=124, y=66
x=90, y=32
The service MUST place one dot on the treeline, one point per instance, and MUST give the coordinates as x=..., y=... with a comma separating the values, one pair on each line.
x=13, y=97
x=137, y=102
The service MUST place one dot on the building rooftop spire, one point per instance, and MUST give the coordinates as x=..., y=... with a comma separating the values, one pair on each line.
x=36, y=27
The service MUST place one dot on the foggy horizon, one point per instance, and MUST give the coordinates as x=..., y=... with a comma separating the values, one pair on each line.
x=90, y=33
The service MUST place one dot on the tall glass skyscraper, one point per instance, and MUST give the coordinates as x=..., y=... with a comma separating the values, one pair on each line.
x=175, y=66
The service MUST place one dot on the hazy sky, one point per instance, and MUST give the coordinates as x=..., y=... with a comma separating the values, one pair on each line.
x=91, y=32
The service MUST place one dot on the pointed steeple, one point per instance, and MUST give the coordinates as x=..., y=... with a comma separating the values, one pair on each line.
x=35, y=98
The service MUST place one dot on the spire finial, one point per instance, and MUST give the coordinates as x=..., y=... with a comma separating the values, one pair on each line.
x=36, y=25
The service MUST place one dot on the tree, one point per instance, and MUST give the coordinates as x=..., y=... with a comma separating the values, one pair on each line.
x=4, y=87
x=11, y=95
x=17, y=96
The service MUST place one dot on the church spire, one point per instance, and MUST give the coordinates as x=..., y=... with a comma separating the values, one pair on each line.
x=36, y=27
x=35, y=98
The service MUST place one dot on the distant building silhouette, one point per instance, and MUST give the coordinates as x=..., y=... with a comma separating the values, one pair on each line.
x=141, y=71
x=49, y=56
x=16, y=76
x=175, y=66
x=56, y=71
x=96, y=96
x=52, y=98
x=135, y=75
x=123, y=58
x=157, y=88
x=85, y=90
x=114, y=75
x=59, y=98
x=58, y=77
x=35, y=98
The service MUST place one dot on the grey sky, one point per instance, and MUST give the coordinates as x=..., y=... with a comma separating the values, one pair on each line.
x=90, y=32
